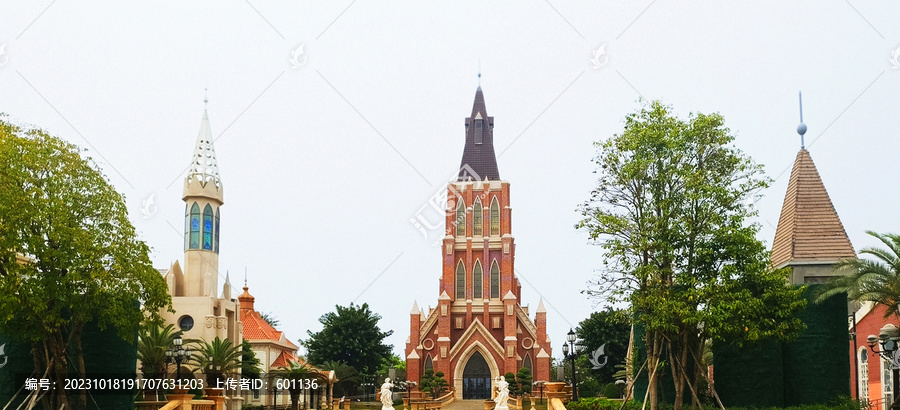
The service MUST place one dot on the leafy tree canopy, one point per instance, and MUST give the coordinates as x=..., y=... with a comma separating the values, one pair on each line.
x=608, y=328
x=68, y=253
x=350, y=335
x=670, y=211
x=249, y=362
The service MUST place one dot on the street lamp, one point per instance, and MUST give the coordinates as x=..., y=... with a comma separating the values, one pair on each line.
x=177, y=354
x=888, y=338
x=540, y=384
x=408, y=385
x=570, y=345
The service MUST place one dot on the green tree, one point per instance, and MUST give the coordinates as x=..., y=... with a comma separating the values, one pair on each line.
x=298, y=377
x=438, y=384
x=875, y=280
x=347, y=376
x=350, y=335
x=249, y=362
x=216, y=360
x=511, y=381
x=670, y=212
x=433, y=382
x=153, y=341
x=608, y=328
x=523, y=380
x=395, y=362
x=68, y=255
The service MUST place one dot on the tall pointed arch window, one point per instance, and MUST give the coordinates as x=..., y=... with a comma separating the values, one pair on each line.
x=460, y=281
x=495, y=217
x=207, y=227
x=476, y=218
x=477, y=281
x=429, y=365
x=527, y=363
x=217, y=230
x=495, y=280
x=461, y=218
x=195, y=227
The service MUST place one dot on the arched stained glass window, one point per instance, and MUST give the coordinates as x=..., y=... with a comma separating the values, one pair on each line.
x=476, y=218
x=428, y=363
x=477, y=281
x=495, y=280
x=461, y=218
x=207, y=227
x=527, y=363
x=217, y=230
x=460, y=281
x=495, y=217
x=195, y=227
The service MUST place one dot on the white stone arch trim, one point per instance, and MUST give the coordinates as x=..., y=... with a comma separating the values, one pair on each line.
x=476, y=327
x=464, y=357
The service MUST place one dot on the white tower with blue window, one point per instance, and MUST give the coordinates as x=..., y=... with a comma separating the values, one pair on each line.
x=203, y=310
x=203, y=198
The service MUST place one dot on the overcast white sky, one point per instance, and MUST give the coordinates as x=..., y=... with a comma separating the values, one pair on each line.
x=324, y=164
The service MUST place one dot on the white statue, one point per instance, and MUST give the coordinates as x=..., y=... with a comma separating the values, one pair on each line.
x=502, y=394
x=387, y=400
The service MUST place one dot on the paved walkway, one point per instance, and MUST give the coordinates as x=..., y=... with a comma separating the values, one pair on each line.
x=465, y=405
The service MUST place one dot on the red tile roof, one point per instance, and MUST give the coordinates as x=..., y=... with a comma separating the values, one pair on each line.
x=255, y=327
x=809, y=228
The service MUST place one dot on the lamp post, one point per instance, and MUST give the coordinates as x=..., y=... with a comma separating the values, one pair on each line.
x=540, y=384
x=570, y=345
x=888, y=338
x=177, y=354
x=408, y=385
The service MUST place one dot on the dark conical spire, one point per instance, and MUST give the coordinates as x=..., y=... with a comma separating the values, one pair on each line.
x=478, y=160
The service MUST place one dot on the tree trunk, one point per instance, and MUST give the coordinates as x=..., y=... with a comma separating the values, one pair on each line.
x=653, y=357
x=75, y=341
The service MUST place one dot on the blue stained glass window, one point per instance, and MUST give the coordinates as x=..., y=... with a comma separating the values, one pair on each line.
x=207, y=227
x=217, y=230
x=195, y=227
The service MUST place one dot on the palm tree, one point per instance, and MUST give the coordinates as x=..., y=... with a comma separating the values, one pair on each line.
x=217, y=359
x=346, y=375
x=153, y=341
x=871, y=280
x=298, y=377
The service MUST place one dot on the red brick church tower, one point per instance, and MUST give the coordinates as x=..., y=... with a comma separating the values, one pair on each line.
x=479, y=329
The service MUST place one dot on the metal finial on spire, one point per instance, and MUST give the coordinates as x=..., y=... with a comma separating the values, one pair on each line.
x=801, y=129
x=479, y=72
x=245, y=276
x=205, y=97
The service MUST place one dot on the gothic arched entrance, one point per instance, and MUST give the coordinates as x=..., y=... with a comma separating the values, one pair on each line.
x=476, y=378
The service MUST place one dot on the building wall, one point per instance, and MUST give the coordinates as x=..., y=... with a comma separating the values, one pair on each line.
x=868, y=323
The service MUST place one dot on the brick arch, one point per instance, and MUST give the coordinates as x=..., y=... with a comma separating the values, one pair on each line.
x=464, y=357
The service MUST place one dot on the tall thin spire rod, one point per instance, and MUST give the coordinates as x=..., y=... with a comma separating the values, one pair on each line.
x=479, y=72
x=205, y=97
x=801, y=129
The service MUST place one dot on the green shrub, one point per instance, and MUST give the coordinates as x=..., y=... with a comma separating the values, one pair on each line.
x=595, y=403
x=611, y=391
